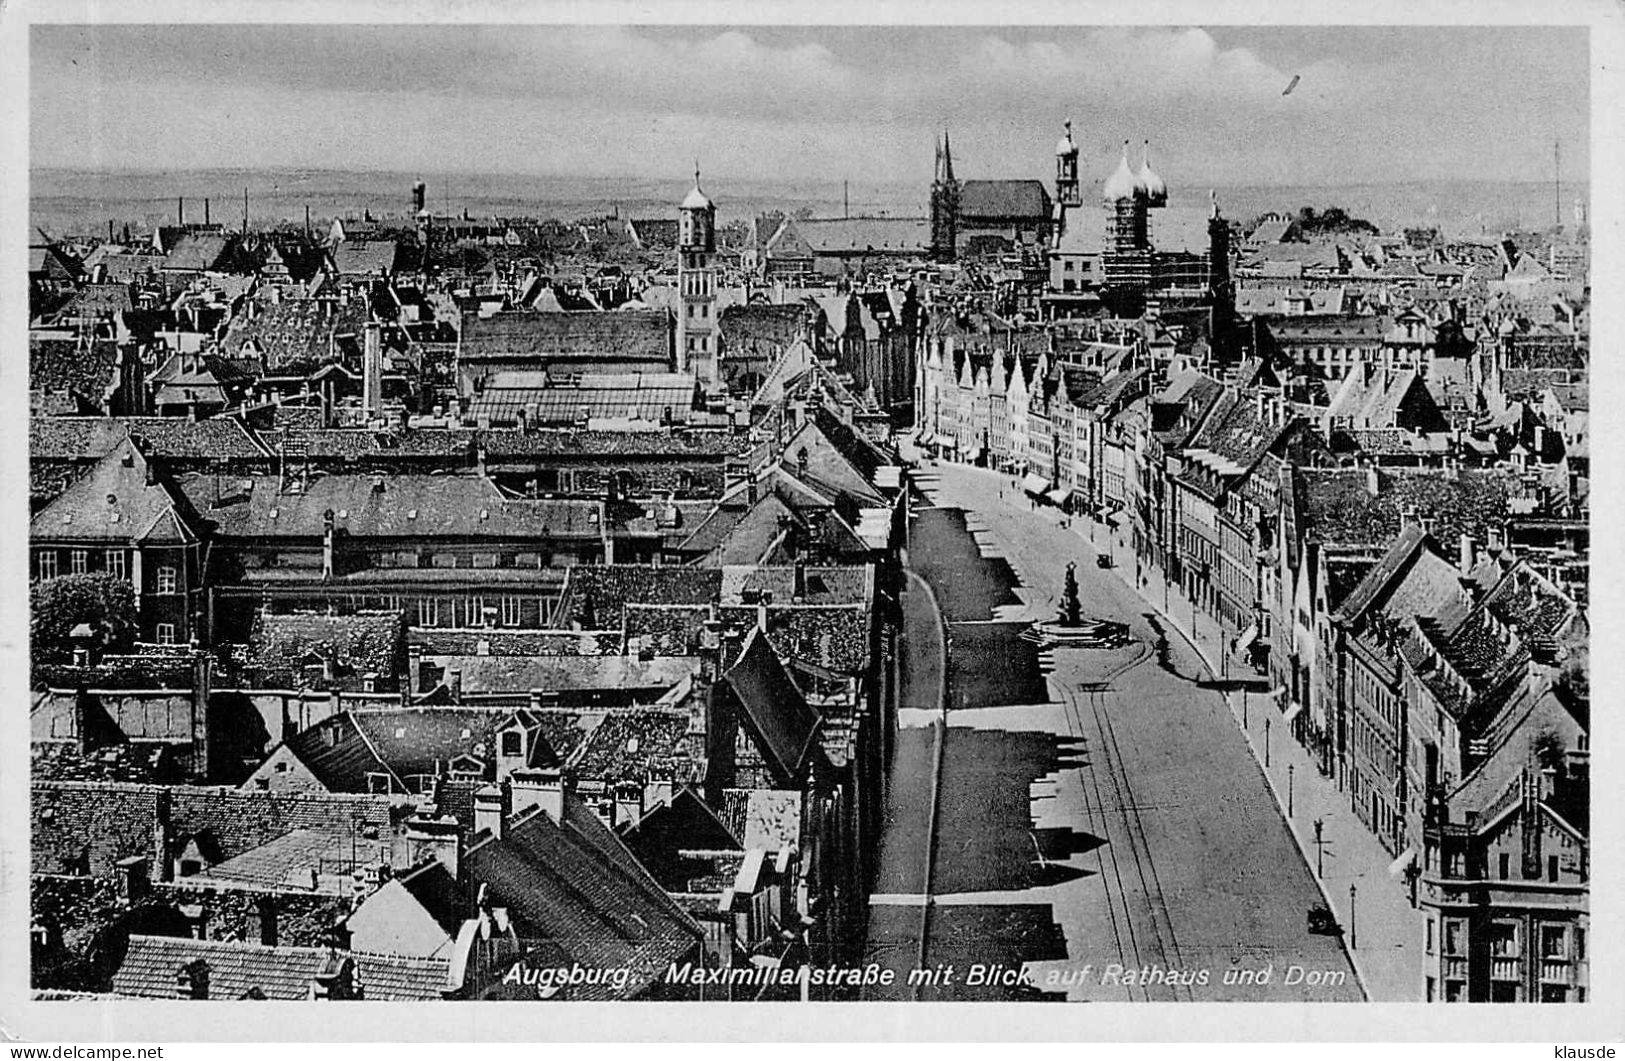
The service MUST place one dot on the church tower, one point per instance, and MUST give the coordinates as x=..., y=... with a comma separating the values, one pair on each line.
x=697, y=285
x=944, y=203
x=1067, y=193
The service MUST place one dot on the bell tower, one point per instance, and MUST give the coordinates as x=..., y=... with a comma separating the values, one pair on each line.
x=1067, y=193
x=697, y=285
x=944, y=203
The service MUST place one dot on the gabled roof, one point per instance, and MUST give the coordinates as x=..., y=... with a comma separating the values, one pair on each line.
x=1004, y=200
x=626, y=335
x=369, y=258
x=417, y=914
x=785, y=725
x=343, y=750
x=576, y=893
x=114, y=501
x=152, y=963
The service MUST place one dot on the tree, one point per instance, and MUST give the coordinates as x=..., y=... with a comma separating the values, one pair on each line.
x=1071, y=613
x=102, y=602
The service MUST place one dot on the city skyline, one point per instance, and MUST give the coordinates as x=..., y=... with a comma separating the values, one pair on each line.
x=1374, y=105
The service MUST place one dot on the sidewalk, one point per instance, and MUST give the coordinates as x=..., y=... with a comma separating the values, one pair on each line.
x=1387, y=933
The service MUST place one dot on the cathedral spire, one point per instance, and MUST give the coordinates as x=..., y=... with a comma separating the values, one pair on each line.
x=947, y=157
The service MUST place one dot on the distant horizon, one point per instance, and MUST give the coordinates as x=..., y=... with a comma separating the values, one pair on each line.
x=721, y=179
x=1284, y=106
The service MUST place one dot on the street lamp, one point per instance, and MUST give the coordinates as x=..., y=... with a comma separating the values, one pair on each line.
x=1320, y=848
x=1289, y=790
x=1266, y=743
x=1354, y=939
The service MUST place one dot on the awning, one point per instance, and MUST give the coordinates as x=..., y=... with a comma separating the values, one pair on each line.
x=1403, y=862
x=1060, y=495
x=1035, y=484
x=1248, y=636
x=1293, y=712
x=927, y=438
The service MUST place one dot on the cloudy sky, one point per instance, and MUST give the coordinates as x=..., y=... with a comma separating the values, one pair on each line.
x=1373, y=104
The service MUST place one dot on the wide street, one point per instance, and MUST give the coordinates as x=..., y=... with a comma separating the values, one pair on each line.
x=1098, y=829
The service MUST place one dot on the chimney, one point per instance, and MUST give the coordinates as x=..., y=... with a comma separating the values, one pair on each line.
x=132, y=879
x=329, y=530
x=335, y=980
x=546, y=788
x=1469, y=553
x=628, y=804
x=160, y=837
x=205, y=210
x=414, y=669
x=265, y=914
x=1373, y=481
x=438, y=838
x=180, y=211
x=488, y=811
x=801, y=581
x=372, y=371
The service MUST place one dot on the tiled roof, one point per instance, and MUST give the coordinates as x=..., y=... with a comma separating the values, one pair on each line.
x=216, y=438
x=784, y=723
x=406, y=506
x=762, y=327
x=410, y=743
x=366, y=258
x=103, y=822
x=574, y=889
x=115, y=502
x=603, y=591
x=85, y=368
x=152, y=963
x=285, y=335
x=1337, y=505
x=849, y=235
x=639, y=745
x=586, y=445
x=144, y=761
x=1004, y=200
x=282, y=647
x=655, y=397
x=600, y=673
x=666, y=629
x=626, y=335
x=195, y=252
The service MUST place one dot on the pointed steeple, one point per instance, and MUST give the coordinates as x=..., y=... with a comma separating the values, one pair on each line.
x=947, y=157
x=936, y=168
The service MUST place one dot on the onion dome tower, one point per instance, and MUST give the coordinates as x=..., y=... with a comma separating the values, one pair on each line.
x=1151, y=185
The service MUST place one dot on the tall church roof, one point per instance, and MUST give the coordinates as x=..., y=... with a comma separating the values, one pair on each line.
x=1122, y=184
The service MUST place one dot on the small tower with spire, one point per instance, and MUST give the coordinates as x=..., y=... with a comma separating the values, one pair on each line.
x=1067, y=192
x=697, y=285
x=944, y=203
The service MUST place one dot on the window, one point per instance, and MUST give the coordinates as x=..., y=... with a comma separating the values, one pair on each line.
x=428, y=613
x=1429, y=935
x=166, y=633
x=1453, y=937
x=1429, y=996
x=513, y=743
x=1455, y=991
x=1554, y=942
x=1551, y=869
x=512, y=611
x=47, y=563
x=166, y=580
x=1504, y=940
x=1554, y=993
x=1504, y=990
x=1506, y=865
x=79, y=561
x=1579, y=944
x=115, y=563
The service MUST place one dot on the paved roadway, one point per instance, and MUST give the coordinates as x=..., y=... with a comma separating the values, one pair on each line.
x=1099, y=830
